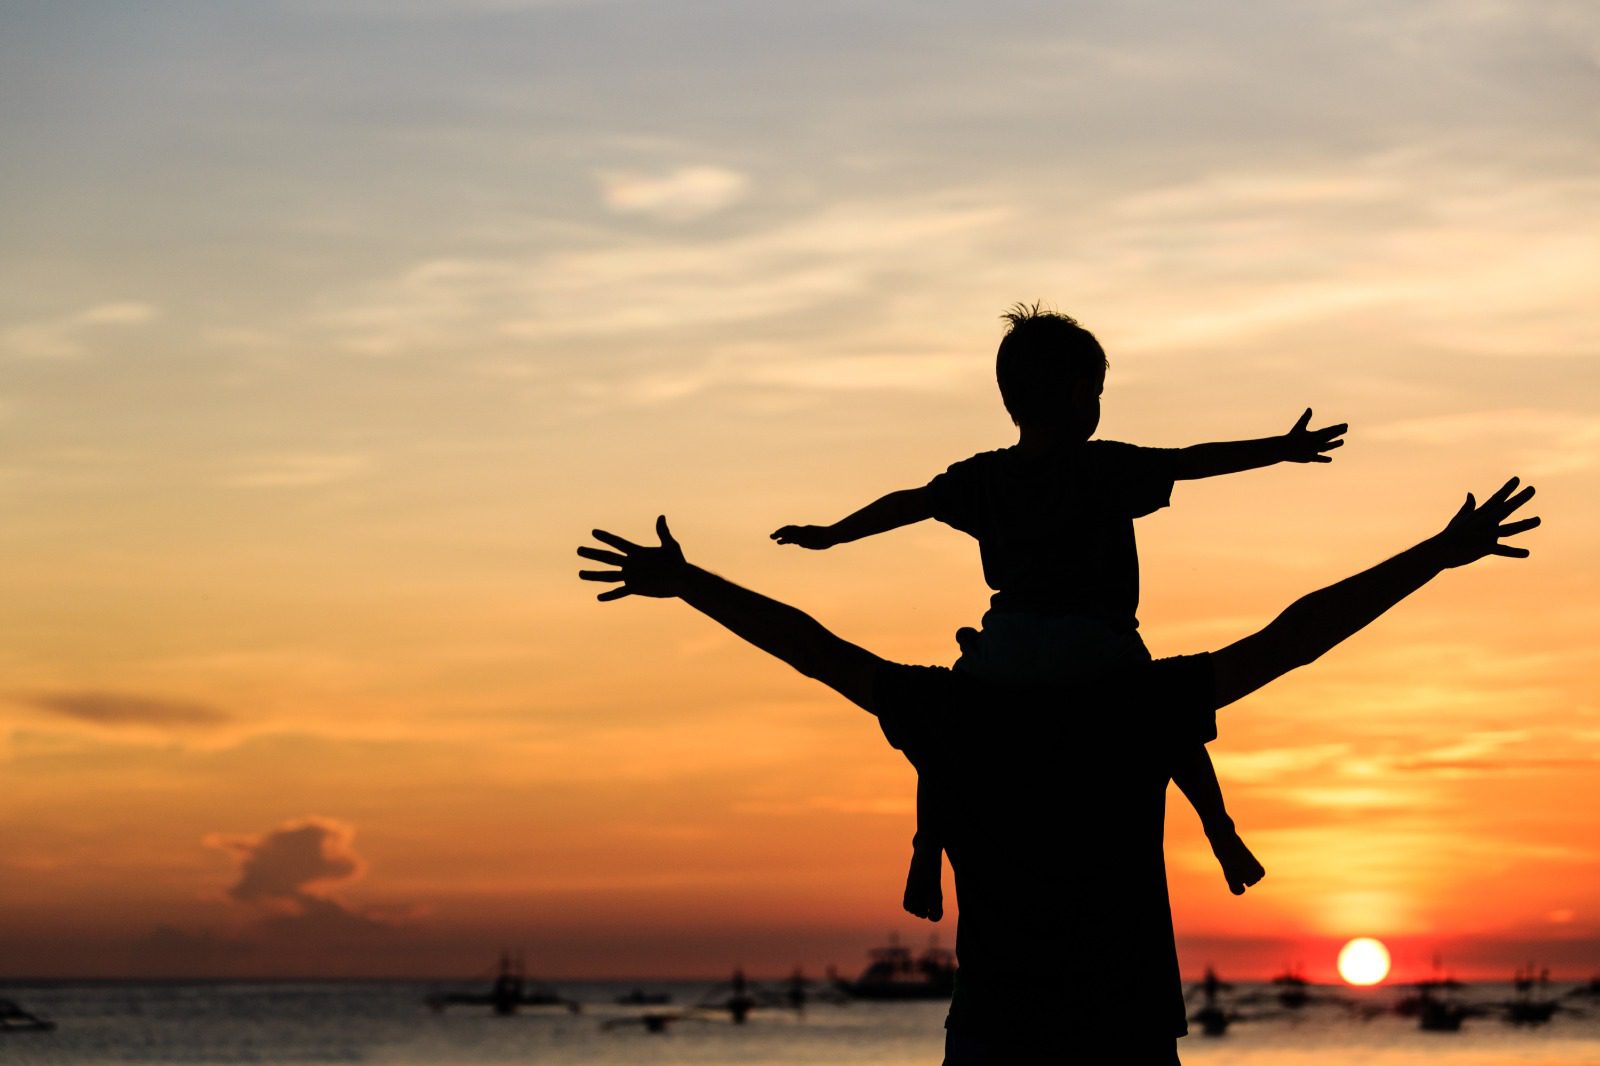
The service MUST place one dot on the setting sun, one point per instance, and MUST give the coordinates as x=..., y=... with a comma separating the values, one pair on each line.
x=1364, y=961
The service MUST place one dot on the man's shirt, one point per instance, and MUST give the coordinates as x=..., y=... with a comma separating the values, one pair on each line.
x=1052, y=803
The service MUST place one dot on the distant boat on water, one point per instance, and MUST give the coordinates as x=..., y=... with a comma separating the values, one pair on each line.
x=1212, y=1018
x=1293, y=988
x=895, y=973
x=1526, y=1009
x=511, y=990
x=13, y=1019
x=738, y=996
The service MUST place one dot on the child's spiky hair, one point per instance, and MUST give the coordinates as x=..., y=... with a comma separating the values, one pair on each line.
x=1043, y=354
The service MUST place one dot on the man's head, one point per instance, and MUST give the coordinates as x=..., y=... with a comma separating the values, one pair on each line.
x=1051, y=371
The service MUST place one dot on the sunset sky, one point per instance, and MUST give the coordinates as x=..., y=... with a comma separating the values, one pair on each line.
x=328, y=329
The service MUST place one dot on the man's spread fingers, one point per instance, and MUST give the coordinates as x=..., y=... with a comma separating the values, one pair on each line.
x=600, y=555
x=615, y=541
x=600, y=575
x=614, y=594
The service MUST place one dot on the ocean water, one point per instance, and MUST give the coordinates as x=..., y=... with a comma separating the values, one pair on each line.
x=388, y=1024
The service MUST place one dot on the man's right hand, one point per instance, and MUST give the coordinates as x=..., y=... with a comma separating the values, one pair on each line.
x=1477, y=529
x=814, y=537
x=657, y=572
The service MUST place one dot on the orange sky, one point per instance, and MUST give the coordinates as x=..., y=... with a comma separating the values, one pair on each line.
x=312, y=375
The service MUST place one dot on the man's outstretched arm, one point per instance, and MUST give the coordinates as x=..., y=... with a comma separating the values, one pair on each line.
x=1315, y=623
x=776, y=628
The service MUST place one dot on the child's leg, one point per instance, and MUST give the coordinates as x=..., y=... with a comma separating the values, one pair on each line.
x=1193, y=773
x=925, y=880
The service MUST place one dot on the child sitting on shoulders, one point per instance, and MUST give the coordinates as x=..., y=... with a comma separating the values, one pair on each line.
x=1053, y=516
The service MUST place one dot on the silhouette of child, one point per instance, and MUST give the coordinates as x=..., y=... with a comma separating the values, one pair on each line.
x=1053, y=517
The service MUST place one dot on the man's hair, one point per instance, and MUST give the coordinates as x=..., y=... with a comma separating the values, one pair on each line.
x=1043, y=354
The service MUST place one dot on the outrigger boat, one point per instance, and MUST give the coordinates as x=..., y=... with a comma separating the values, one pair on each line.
x=13, y=1019
x=1212, y=1018
x=1293, y=988
x=1526, y=1010
x=1435, y=1013
x=896, y=974
x=511, y=990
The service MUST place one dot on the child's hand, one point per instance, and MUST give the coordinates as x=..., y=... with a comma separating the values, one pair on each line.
x=814, y=537
x=1302, y=445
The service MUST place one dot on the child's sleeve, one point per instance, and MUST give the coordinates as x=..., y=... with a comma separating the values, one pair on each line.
x=956, y=495
x=1137, y=480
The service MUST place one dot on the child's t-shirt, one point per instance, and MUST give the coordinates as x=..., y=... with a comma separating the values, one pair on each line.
x=1055, y=529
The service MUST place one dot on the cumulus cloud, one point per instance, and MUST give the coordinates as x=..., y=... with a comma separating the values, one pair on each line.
x=280, y=865
x=287, y=873
x=283, y=884
x=69, y=336
x=121, y=708
x=683, y=195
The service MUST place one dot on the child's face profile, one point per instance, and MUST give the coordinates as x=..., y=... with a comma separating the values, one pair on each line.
x=1082, y=415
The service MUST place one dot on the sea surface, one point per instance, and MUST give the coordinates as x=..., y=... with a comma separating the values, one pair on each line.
x=389, y=1023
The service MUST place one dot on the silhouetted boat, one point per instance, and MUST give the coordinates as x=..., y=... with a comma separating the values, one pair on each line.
x=511, y=990
x=1440, y=1016
x=1212, y=1017
x=1293, y=989
x=896, y=974
x=13, y=1019
x=1525, y=1009
x=1591, y=989
x=651, y=1021
x=799, y=990
x=738, y=996
x=1435, y=1013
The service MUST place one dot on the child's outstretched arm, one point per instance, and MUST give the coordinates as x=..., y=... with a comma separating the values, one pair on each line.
x=1299, y=445
x=903, y=508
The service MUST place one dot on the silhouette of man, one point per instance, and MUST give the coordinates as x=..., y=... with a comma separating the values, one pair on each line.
x=1045, y=976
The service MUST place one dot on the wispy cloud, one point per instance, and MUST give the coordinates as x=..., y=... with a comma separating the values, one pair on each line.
x=299, y=470
x=1543, y=441
x=72, y=335
x=1273, y=765
x=660, y=288
x=125, y=709
x=682, y=195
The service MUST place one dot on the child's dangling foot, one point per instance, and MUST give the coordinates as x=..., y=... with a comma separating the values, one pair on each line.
x=925, y=884
x=1239, y=866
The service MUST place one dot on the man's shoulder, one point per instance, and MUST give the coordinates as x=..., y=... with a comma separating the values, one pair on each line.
x=1184, y=687
x=896, y=686
x=914, y=704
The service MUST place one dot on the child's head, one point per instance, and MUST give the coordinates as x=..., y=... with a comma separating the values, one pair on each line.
x=1050, y=370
